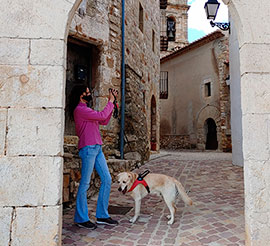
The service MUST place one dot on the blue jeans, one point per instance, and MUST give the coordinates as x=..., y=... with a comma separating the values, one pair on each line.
x=93, y=157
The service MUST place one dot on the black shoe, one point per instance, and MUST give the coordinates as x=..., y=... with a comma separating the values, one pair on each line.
x=107, y=221
x=88, y=225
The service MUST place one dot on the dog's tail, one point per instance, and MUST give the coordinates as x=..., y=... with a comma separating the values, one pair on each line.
x=183, y=193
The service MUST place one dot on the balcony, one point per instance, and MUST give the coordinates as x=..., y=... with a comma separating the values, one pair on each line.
x=163, y=43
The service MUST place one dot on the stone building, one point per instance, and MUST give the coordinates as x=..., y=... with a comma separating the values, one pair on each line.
x=195, y=98
x=173, y=26
x=94, y=57
x=33, y=49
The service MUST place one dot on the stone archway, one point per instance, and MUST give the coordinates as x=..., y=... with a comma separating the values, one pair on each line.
x=32, y=104
x=32, y=83
x=253, y=39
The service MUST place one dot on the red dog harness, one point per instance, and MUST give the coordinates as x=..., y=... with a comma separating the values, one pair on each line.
x=140, y=180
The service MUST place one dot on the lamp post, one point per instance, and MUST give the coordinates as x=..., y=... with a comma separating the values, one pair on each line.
x=211, y=8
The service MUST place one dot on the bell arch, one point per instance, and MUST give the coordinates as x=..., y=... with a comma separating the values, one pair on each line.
x=171, y=28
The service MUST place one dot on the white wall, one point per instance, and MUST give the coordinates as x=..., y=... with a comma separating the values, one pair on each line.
x=236, y=111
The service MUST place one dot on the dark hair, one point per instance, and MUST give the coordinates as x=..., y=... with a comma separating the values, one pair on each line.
x=74, y=98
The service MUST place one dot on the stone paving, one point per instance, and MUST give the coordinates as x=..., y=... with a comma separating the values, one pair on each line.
x=215, y=219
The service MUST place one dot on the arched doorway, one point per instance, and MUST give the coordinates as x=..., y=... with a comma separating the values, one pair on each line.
x=211, y=134
x=206, y=113
x=153, y=137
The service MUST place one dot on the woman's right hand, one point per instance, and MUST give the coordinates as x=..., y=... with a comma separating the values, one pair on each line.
x=113, y=95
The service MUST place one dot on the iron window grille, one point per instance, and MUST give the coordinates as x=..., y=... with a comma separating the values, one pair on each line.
x=163, y=85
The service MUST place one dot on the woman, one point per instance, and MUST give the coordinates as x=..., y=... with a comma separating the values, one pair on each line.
x=87, y=123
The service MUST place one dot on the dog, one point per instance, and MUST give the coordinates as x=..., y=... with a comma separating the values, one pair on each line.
x=162, y=184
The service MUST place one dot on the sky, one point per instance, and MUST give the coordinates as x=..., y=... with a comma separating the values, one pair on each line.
x=198, y=25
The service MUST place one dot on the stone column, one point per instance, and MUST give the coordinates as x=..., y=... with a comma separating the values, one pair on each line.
x=32, y=83
x=254, y=48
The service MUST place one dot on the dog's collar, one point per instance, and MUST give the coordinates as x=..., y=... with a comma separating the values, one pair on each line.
x=139, y=181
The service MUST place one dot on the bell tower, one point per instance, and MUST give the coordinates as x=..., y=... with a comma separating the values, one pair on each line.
x=174, y=26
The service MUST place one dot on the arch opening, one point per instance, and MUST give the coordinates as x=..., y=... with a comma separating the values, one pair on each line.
x=211, y=134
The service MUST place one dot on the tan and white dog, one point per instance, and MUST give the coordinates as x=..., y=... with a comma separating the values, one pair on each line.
x=167, y=186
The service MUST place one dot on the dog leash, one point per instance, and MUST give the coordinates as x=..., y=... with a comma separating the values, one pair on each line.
x=140, y=180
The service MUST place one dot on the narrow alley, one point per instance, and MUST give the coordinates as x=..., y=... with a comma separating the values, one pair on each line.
x=215, y=219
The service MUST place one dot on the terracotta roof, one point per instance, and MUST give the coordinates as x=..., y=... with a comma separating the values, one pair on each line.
x=197, y=43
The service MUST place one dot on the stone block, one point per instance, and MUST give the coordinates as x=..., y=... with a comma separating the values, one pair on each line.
x=30, y=181
x=71, y=140
x=5, y=221
x=35, y=132
x=32, y=86
x=35, y=19
x=255, y=93
x=48, y=52
x=90, y=26
x=251, y=58
x=14, y=51
x=255, y=137
x=133, y=156
x=245, y=15
x=3, y=116
x=257, y=186
x=37, y=226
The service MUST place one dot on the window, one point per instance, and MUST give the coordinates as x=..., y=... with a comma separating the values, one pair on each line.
x=153, y=40
x=141, y=18
x=207, y=89
x=163, y=4
x=171, y=29
x=163, y=86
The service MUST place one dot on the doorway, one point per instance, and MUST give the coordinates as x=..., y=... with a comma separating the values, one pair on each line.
x=211, y=135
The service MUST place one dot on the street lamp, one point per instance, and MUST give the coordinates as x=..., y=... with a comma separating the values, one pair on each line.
x=211, y=8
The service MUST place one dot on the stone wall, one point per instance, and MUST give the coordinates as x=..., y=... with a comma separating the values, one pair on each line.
x=32, y=72
x=86, y=27
x=142, y=55
x=176, y=142
x=254, y=91
x=222, y=59
x=137, y=137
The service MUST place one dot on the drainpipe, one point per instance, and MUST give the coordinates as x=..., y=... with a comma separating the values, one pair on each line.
x=122, y=124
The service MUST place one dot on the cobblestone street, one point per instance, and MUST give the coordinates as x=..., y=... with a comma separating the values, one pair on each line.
x=216, y=218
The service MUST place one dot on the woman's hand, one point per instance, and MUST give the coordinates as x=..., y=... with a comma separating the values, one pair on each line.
x=113, y=93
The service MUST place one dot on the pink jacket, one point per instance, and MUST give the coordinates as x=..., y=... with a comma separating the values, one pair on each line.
x=87, y=123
